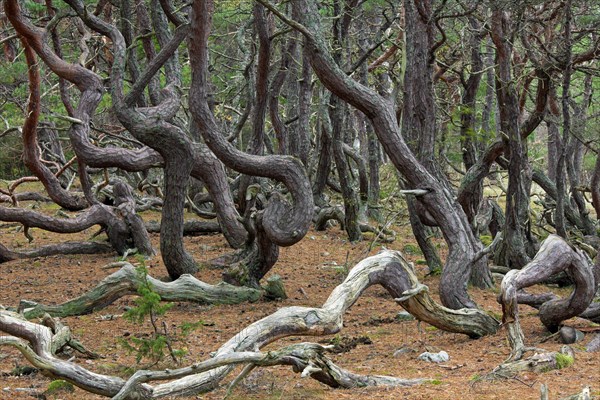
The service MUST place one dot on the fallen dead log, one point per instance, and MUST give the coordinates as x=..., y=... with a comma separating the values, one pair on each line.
x=388, y=269
x=55, y=249
x=126, y=282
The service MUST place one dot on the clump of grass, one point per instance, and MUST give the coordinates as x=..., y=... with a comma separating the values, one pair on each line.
x=563, y=360
x=59, y=385
x=412, y=249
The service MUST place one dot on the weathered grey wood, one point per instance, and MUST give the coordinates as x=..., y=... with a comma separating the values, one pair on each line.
x=419, y=303
x=555, y=255
x=540, y=362
x=35, y=342
x=307, y=358
x=388, y=269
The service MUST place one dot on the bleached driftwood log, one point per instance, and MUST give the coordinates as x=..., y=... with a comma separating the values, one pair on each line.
x=388, y=269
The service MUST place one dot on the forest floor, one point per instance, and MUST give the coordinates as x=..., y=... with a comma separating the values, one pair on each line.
x=310, y=270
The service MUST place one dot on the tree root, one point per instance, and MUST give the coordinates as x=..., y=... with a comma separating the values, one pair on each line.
x=388, y=269
x=127, y=280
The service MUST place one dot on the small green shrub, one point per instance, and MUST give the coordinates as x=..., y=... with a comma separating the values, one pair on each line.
x=149, y=305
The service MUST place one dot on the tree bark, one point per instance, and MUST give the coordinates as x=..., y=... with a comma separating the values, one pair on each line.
x=517, y=237
x=468, y=133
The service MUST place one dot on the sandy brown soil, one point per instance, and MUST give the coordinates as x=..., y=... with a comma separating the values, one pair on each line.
x=310, y=270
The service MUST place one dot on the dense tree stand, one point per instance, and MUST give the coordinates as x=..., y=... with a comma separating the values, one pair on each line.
x=388, y=269
x=467, y=130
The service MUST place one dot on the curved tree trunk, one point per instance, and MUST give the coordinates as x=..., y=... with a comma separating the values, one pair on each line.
x=117, y=230
x=205, y=166
x=151, y=126
x=463, y=245
x=257, y=141
x=555, y=255
x=31, y=152
x=279, y=223
x=284, y=224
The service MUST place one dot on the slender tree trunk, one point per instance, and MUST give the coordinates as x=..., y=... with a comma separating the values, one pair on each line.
x=324, y=163
x=256, y=145
x=304, y=101
x=563, y=145
x=468, y=135
x=516, y=230
x=351, y=203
